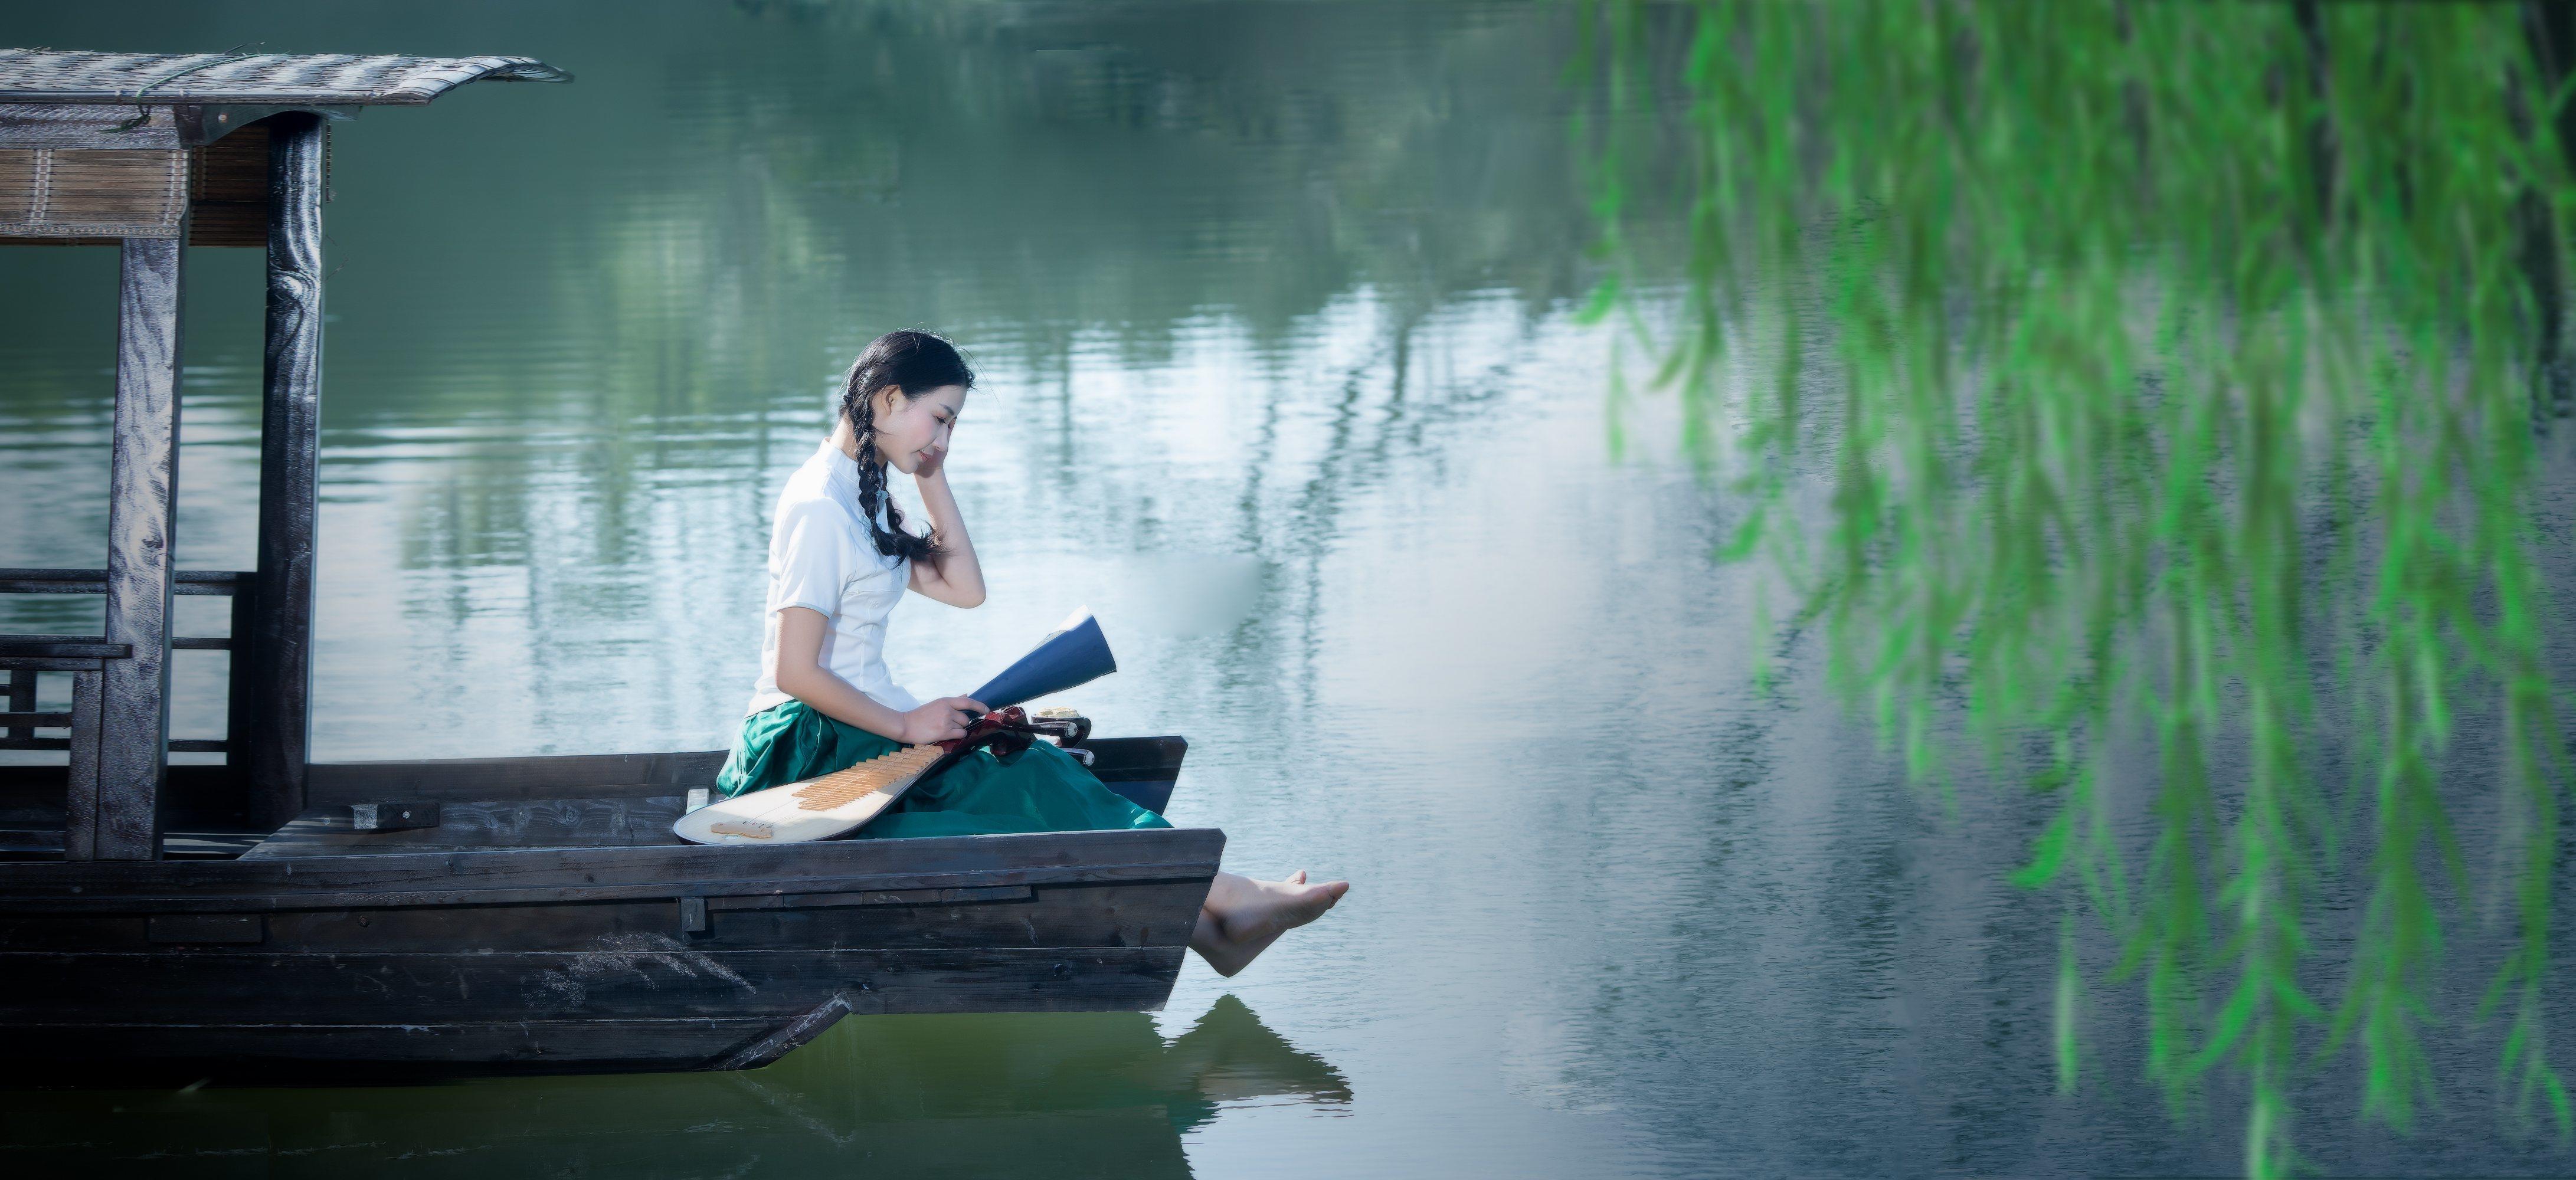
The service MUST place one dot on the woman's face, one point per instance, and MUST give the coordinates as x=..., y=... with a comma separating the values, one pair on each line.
x=913, y=432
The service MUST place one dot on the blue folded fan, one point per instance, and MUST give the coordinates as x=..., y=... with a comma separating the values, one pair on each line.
x=1074, y=654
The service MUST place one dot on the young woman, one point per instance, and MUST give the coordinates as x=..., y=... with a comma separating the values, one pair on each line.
x=839, y=559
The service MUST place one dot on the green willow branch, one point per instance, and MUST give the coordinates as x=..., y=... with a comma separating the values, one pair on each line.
x=2172, y=369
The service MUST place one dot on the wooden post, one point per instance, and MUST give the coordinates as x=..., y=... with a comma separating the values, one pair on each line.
x=143, y=486
x=22, y=699
x=80, y=801
x=273, y=750
x=241, y=688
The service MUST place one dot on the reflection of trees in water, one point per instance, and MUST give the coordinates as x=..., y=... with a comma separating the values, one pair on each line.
x=1026, y=176
x=755, y=195
x=1034, y=1095
x=588, y=303
x=1055, y=186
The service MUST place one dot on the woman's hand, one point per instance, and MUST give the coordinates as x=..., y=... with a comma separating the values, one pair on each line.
x=956, y=578
x=939, y=720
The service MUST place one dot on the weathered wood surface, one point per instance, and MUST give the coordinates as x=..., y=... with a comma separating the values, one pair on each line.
x=206, y=929
x=1143, y=769
x=272, y=753
x=611, y=968
x=463, y=825
x=94, y=193
x=1153, y=913
x=101, y=127
x=633, y=978
x=488, y=779
x=82, y=776
x=196, y=799
x=46, y=664
x=242, y=703
x=29, y=125
x=22, y=699
x=288, y=79
x=563, y=800
x=17, y=580
x=834, y=901
x=143, y=486
x=47, y=844
x=63, y=647
x=393, y=816
x=509, y=876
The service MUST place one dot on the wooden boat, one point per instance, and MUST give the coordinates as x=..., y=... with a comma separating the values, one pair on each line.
x=271, y=916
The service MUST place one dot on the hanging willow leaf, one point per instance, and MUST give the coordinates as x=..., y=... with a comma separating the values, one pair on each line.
x=2169, y=373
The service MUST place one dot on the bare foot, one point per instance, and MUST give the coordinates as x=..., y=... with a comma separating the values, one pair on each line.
x=1243, y=916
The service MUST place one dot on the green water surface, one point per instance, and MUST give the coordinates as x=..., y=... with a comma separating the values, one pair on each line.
x=1274, y=308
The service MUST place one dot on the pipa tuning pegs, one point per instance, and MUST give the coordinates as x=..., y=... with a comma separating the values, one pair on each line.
x=1067, y=727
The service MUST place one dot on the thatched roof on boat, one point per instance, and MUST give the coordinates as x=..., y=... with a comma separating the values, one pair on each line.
x=106, y=147
x=268, y=79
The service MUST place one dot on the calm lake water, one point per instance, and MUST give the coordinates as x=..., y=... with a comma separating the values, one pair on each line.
x=1272, y=304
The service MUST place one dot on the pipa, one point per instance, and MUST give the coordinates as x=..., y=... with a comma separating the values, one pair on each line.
x=825, y=806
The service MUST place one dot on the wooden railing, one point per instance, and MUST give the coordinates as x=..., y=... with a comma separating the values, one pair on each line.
x=24, y=657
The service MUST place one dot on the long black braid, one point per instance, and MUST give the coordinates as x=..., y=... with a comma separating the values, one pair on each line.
x=914, y=363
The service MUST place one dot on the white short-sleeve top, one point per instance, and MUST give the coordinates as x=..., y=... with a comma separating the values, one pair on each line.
x=822, y=558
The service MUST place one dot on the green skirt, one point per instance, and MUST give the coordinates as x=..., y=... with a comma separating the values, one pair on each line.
x=1039, y=789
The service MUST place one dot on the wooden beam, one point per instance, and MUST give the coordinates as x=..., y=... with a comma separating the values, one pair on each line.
x=143, y=488
x=99, y=127
x=49, y=664
x=512, y=876
x=276, y=746
x=14, y=580
x=64, y=647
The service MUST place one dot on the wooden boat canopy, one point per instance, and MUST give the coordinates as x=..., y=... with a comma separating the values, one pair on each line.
x=153, y=153
x=98, y=148
x=271, y=79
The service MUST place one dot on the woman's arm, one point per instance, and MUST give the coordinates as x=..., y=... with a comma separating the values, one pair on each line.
x=956, y=578
x=801, y=675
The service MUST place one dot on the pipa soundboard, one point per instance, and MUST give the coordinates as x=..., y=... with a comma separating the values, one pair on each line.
x=816, y=809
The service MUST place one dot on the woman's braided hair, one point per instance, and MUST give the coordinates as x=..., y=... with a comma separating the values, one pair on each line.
x=914, y=363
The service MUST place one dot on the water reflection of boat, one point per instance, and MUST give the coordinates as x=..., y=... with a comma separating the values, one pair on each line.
x=1098, y=1095
x=269, y=915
